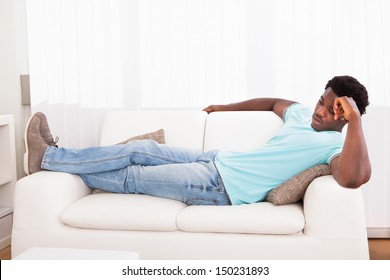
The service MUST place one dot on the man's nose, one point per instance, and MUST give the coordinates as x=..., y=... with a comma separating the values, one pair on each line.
x=320, y=111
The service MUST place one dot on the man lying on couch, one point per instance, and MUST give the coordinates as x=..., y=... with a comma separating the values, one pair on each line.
x=224, y=178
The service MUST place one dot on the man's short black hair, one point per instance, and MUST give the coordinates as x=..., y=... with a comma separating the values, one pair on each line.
x=349, y=86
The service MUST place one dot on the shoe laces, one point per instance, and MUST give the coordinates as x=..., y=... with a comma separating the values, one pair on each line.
x=52, y=141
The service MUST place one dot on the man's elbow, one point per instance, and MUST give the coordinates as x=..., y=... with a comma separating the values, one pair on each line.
x=356, y=181
x=353, y=184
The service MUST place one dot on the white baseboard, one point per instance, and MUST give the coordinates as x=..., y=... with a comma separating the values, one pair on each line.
x=373, y=232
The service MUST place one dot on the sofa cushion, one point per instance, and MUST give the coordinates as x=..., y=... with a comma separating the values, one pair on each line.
x=123, y=212
x=146, y=213
x=157, y=136
x=260, y=218
x=181, y=128
x=294, y=189
x=240, y=130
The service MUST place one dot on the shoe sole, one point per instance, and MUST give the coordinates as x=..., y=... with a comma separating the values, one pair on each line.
x=26, y=141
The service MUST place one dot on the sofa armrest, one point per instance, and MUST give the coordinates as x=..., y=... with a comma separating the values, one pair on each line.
x=40, y=198
x=332, y=211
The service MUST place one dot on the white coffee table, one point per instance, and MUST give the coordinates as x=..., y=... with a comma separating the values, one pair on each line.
x=41, y=253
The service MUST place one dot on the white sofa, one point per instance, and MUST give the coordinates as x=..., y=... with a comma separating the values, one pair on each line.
x=57, y=209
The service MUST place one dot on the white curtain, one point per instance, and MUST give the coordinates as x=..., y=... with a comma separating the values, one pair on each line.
x=192, y=52
x=75, y=64
x=90, y=56
x=316, y=40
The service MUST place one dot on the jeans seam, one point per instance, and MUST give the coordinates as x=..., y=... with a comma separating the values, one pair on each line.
x=140, y=153
x=85, y=162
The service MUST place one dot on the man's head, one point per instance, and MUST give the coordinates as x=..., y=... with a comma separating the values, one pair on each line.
x=350, y=87
x=339, y=86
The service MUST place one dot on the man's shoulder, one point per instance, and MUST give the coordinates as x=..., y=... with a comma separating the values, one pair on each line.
x=297, y=109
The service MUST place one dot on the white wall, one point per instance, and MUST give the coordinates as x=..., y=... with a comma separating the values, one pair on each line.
x=10, y=60
x=376, y=192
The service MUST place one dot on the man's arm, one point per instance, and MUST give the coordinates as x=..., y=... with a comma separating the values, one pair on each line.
x=276, y=105
x=352, y=168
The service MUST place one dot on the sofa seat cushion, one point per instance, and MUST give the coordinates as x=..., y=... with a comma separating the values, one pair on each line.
x=259, y=218
x=123, y=212
x=145, y=213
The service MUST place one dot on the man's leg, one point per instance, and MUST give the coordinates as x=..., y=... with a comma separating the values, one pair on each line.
x=192, y=183
x=41, y=153
x=108, y=158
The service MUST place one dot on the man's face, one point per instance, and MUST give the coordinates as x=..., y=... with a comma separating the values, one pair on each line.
x=323, y=116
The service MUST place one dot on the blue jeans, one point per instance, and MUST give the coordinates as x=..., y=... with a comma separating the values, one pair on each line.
x=144, y=167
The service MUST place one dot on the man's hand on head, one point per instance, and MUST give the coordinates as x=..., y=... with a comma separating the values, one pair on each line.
x=344, y=107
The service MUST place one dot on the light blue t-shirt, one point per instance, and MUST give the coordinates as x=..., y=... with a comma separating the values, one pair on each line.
x=249, y=176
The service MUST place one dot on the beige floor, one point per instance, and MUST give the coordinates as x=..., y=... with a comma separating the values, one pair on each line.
x=379, y=250
x=5, y=254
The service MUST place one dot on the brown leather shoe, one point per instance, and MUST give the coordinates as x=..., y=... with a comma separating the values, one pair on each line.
x=45, y=130
x=35, y=145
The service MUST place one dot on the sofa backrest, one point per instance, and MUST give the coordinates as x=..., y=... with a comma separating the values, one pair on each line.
x=181, y=128
x=234, y=131
x=240, y=130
